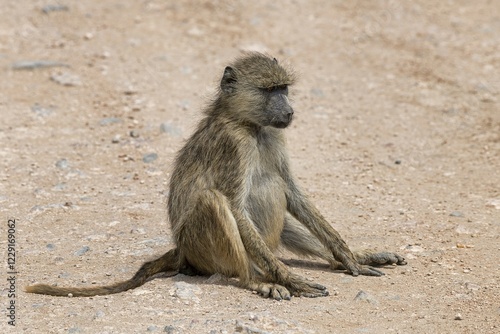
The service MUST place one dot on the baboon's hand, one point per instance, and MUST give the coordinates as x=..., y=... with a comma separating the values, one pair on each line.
x=299, y=287
x=380, y=259
x=356, y=269
x=275, y=291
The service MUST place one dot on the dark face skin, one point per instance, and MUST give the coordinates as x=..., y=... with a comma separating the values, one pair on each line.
x=278, y=110
x=269, y=105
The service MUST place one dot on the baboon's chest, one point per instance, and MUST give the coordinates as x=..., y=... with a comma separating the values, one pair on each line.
x=266, y=204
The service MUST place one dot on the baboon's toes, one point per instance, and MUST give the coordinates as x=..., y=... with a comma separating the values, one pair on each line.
x=384, y=258
x=311, y=290
x=401, y=260
x=279, y=292
x=275, y=291
x=369, y=271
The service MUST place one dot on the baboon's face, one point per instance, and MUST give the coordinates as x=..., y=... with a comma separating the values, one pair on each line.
x=257, y=92
x=277, y=111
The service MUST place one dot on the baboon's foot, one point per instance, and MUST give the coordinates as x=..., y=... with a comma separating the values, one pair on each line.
x=271, y=290
x=380, y=259
x=299, y=287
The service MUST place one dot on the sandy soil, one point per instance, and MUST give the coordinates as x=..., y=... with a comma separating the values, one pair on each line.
x=396, y=139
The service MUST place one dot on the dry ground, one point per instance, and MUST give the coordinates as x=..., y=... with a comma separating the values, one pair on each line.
x=396, y=139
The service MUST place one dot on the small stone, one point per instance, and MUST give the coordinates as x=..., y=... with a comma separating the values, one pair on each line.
x=70, y=295
x=41, y=111
x=62, y=163
x=116, y=139
x=364, y=296
x=152, y=328
x=472, y=286
x=54, y=8
x=397, y=162
x=195, y=31
x=63, y=275
x=50, y=246
x=82, y=251
x=170, y=129
x=244, y=328
x=494, y=203
x=134, y=134
x=185, y=291
x=456, y=214
x=149, y=157
x=34, y=64
x=110, y=120
x=458, y=316
x=317, y=92
x=170, y=329
x=99, y=314
x=66, y=79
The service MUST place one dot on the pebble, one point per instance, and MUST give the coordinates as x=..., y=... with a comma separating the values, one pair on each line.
x=185, y=291
x=66, y=79
x=152, y=328
x=116, y=139
x=62, y=163
x=110, y=120
x=34, y=64
x=171, y=329
x=494, y=203
x=134, y=134
x=54, y=8
x=99, y=314
x=82, y=251
x=317, y=92
x=472, y=286
x=41, y=111
x=456, y=214
x=170, y=129
x=150, y=157
x=50, y=246
x=243, y=328
x=458, y=316
x=364, y=296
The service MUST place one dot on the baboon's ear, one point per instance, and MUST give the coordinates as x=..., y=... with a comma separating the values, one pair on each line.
x=228, y=82
x=275, y=60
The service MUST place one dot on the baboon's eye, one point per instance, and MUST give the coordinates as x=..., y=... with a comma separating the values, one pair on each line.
x=276, y=88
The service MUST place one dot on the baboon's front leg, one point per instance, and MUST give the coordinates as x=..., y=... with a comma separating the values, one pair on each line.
x=298, y=239
x=273, y=270
x=305, y=212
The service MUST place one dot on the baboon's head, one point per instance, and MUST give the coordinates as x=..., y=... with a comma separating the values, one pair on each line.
x=255, y=89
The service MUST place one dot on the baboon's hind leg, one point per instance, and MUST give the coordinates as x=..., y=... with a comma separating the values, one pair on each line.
x=214, y=245
x=298, y=239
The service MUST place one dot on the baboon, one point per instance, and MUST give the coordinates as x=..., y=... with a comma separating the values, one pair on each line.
x=233, y=200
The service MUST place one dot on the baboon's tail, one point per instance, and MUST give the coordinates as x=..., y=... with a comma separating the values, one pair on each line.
x=170, y=261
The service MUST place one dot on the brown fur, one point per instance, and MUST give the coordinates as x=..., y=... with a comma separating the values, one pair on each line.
x=233, y=200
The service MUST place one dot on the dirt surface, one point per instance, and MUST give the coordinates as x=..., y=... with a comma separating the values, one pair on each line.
x=396, y=139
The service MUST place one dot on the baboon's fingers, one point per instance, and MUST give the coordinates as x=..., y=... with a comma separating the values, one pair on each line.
x=382, y=258
x=301, y=288
x=370, y=271
x=270, y=290
x=279, y=292
x=312, y=290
